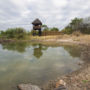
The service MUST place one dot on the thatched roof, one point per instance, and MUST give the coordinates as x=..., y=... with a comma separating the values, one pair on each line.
x=37, y=22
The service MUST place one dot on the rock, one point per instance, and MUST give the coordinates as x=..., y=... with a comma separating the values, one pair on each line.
x=60, y=85
x=60, y=82
x=28, y=87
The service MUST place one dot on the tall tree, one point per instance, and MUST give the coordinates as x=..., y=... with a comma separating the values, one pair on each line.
x=75, y=23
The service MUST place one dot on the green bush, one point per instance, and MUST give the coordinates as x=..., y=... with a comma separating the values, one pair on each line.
x=73, y=26
x=54, y=29
x=67, y=30
x=14, y=33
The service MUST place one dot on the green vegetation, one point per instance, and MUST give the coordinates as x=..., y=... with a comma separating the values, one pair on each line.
x=54, y=29
x=77, y=25
x=73, y=26
x=67, y=30
x=46, y=28
x=85, y=81
x=21, y=33
x=17, y=33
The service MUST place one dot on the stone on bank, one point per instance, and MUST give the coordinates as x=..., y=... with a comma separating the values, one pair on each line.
x=28, y=87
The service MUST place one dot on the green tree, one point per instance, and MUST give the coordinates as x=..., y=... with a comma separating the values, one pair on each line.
x=45, y=27
x=67, y=30
x=75, y=23
x=54, y=29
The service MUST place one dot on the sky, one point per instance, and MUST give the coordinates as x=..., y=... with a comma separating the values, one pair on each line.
x=53, y=13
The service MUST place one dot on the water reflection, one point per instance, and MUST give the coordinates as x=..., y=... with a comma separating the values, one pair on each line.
x=38, y=49
x=35, y=63
x=74, y=51
x=19, y=47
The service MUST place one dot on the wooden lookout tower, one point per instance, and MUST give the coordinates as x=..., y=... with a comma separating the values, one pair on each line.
x=37, y=24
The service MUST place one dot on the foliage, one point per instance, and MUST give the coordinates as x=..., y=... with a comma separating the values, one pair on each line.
x=78, y=25
x=54, y=29
x=67, y=30
x=73, y=26
x=45, y=28
x=85, y=81
x=85, y=28
x=44, y=25
x=14, y=33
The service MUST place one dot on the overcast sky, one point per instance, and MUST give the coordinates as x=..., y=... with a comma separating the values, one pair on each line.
x=54, y=13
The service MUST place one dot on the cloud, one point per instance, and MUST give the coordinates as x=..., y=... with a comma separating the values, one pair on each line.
x=54, y=13
x=59, y=3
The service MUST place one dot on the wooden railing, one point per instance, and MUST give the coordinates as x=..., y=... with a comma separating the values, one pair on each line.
x=46, y=33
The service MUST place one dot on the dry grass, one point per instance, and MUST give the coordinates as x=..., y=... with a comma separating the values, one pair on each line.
x=65, y=38
x=43, y=37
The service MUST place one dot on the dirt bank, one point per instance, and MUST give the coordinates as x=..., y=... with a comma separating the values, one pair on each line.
x=82, y=39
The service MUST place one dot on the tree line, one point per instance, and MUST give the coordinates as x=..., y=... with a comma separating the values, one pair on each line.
x=13, y=33
x=81, y=25
x=21, y=33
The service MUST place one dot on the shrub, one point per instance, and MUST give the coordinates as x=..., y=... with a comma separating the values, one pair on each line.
x=54, y=29
x=67, y=30
x=14, y=33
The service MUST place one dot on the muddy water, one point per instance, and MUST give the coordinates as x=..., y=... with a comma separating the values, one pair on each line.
x=35, y=63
